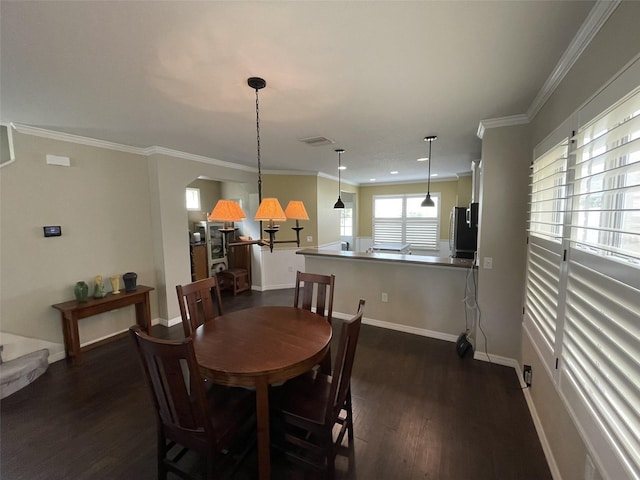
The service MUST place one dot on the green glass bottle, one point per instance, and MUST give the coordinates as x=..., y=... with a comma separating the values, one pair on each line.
x=81, y=291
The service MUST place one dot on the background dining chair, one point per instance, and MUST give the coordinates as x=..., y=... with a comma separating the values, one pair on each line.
x=196, y=303
x=320, y=287
x=237, y=277
x=187, y=418
x=312, y=404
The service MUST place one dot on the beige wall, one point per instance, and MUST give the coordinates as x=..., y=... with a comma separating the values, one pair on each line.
x=170, y=176
x=119, y=212
x=449, y=191
x=328, y=217
x=102, y=204
x=294, y=187
x=506, y=155
x=465, y=189
x=210, y=193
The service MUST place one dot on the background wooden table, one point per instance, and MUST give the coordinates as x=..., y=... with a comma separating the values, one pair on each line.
x=72, y=311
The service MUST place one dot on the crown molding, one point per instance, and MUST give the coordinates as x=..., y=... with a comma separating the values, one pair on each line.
x=501, y=122
x=290, y=172
x=342, y=180
x=154, y=150
x=196, y=158
x=597, y=17
x=67, y=137
x=448, y=178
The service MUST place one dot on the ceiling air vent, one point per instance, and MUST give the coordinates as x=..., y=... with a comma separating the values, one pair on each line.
x=317, y=141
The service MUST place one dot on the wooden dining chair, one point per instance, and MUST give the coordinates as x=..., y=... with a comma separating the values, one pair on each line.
x=314, y=403
x=320, y=287
x=196, y=301
x=187, y=418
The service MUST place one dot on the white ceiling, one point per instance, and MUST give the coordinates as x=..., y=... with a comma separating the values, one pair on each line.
x=373, y=76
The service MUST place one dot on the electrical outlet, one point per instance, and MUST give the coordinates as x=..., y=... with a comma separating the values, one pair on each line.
x=488, y=263
x=309, y=238
x=527, y=375
x=384, y=297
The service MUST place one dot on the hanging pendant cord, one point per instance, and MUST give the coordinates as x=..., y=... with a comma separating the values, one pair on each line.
x=339, y=171
x=258, y=143
x=429, y=174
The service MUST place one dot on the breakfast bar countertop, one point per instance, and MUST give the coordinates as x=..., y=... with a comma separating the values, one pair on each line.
x=390, y=257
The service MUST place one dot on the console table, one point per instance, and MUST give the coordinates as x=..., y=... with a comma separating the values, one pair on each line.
x=73, y=311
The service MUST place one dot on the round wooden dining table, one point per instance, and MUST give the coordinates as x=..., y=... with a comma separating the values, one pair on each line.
x=259, y=346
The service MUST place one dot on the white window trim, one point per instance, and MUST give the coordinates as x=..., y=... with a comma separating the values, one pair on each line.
x=408, y=221
x=195, y=193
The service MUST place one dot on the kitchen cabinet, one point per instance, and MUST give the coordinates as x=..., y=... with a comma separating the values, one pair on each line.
x=199, y=265
x=213, y=239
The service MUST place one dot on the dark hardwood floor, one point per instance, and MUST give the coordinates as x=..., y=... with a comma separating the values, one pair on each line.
x=420, y=413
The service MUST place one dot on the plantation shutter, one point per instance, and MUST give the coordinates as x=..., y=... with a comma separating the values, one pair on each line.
x=401, y=219
x=600, y=369
x=547, y=209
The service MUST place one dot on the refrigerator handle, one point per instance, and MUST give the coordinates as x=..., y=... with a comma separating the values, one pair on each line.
x=451, y=230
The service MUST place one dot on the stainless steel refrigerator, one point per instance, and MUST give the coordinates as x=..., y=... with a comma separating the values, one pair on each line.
x=463, y=234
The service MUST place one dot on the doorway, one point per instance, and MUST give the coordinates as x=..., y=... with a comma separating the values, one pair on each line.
x=348, y=221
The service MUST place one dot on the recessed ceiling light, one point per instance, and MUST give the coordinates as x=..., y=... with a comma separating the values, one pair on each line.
x=434, y=174
x=372, y=179
x=423, y=159
x=342, y=167
x=395, y=172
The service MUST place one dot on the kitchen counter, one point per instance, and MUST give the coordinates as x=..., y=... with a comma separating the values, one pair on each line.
x=423, y=295
x=390, y=257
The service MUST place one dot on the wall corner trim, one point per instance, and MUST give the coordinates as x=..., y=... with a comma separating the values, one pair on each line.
x=597, y=17
x=501, y=122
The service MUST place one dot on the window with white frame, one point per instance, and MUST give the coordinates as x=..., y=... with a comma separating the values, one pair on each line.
x=193, y=198
x=346, y=222
x=583, y=289
x=401, y=219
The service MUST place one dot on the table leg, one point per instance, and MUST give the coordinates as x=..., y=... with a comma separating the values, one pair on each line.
x=264, y=445
x=66, y=333
x=143, y=314
x=74, y=336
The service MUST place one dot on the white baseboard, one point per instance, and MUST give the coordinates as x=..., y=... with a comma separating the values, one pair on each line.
x=274, y=287
x=401, y=328
x=17, y=345
x=497, y=359
x=544, y=442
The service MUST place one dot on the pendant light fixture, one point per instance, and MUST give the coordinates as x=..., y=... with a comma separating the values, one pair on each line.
x=270, y=209
x=227, y=211
x=339, y=203
x=428, y=201
x=295, y=211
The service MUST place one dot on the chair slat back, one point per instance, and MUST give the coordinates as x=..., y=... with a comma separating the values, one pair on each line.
x=196, y=301
x=310, y=285
x=177, y=389
x=341, y=375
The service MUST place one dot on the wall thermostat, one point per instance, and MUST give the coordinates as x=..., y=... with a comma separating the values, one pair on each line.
x=52, y=231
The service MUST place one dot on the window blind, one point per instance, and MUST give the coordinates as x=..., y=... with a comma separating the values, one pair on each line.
x=548, y=193
x=582, y=297
x=541, y=295
x=606, y=188
x=401, y=219
x=547, y=205
x=600, y=369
